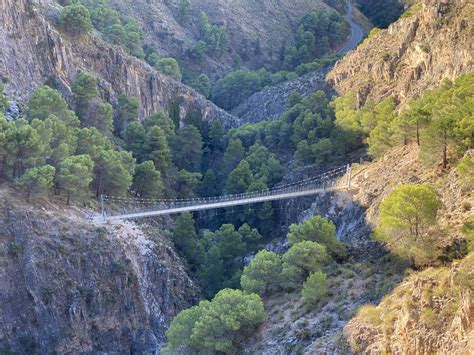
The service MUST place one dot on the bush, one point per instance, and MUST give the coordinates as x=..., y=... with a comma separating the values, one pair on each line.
x=315, y=288
x=76, y=19
x=170, y=67
x=301, y=260
x=317, y=229
x=262, y=275
x=371, y=314
x=218, y=326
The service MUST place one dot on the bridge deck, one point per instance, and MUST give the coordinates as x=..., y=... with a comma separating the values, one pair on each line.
x=223, y=204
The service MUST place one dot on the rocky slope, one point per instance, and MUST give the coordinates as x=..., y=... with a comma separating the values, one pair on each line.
x=431, y=42
x=34, y=52
x=267, y=24
x=71, y=287
x=371, y=273
x=431, y=312
x=270, y=103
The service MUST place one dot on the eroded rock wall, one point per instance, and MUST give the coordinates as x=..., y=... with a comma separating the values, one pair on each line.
x=68, y=287
x=34, y=52
x=413, y=55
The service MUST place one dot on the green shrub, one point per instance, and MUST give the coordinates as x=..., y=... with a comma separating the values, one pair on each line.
x=315, y=288
x=301, y=260
x=76, y=19
x=320, y=230
x=263, y=273
x=170, y=67
x=218, y=326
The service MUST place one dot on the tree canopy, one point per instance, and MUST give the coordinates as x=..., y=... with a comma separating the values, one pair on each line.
x=216, y=326
x=408, y=222
x=76, y=19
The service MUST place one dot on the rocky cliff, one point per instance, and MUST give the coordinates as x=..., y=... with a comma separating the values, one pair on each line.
x=71, y=287
x=34, y=52
x=271, y=102
x=431, y=42
x=431, y=312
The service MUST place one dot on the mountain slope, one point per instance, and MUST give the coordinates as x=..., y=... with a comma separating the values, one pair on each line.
x=430, y=312
x=370, y=274
x=34, y=52
x=69, y=286
x=431, y=42
x=266, y=24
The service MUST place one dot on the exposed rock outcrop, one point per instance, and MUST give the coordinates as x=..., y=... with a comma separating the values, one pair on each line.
x=67, y=287
x=431, y=312
x=432, y=42
x=34, y=52
x=271, y=102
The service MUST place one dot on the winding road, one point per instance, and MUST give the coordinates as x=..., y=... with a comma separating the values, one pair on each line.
x=357, y=33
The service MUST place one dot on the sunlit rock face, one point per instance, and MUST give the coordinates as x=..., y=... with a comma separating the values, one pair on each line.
x=413, y=55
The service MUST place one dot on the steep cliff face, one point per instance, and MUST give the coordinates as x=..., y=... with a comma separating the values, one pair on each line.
x=34, y=52
x=70, y=287
x=430, y=43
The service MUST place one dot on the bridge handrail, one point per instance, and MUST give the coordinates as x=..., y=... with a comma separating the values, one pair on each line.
x=279, y=188
x=326, y=180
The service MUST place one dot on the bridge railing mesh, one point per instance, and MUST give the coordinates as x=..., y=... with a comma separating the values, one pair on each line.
x=331, y=180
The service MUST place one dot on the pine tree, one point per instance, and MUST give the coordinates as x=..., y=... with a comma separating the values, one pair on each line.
x=156, y=149
x=408, y=222
x=75, y=174
x=187, y=149
x=76, y=19
x=127, y=112
x=45, y=102
x=37, y=180
x=185, y=240
x=212, y=273
x=147, y=181
x=233, y=155
x=239, y=179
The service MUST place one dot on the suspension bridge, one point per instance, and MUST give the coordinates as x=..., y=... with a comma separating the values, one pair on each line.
x=122, y=208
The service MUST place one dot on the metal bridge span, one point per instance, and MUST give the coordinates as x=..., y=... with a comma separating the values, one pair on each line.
x=134, y=208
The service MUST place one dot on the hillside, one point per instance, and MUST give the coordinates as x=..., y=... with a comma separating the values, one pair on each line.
x=371, y=274
x=35, y=53
x=264, y=24
x=431, y=42
x=70, y=286
x=431, y=311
